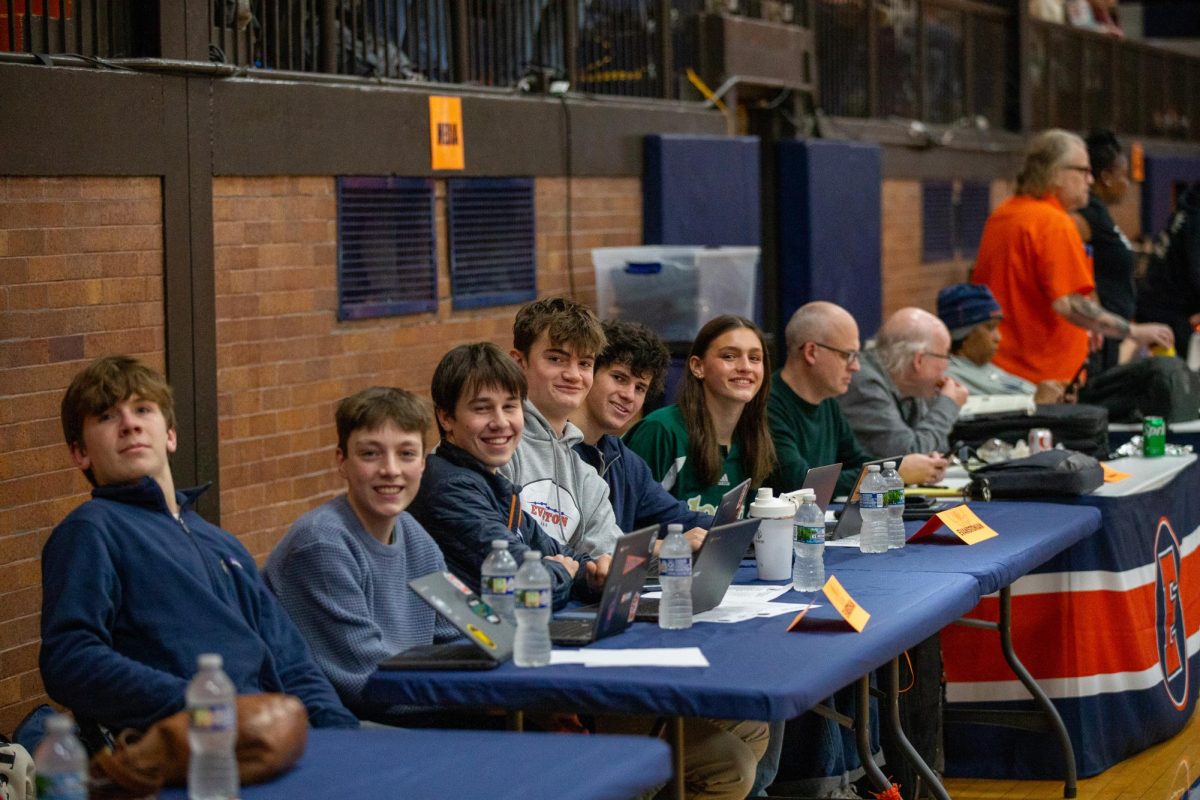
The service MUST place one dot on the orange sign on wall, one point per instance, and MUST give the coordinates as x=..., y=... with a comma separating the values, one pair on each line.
x=446, y=133
x=1137, y=162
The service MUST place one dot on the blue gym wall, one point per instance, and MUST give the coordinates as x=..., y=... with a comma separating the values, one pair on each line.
x=830, y=227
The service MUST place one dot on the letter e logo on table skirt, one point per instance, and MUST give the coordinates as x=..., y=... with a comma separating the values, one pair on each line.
x=1172, y=636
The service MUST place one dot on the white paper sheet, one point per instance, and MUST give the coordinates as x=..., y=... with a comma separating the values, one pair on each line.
x=740, y=612
x=647, y=657
x=849, y=541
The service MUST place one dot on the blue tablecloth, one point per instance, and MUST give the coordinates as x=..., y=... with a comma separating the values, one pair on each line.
x=427, y=764
x=757, y=669
x=1030, y=535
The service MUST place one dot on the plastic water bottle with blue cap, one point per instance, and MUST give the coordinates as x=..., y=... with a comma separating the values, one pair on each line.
x=872, y=503
x=532, y=602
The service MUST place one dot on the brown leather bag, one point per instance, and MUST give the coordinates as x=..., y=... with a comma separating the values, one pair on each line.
x=272, y=730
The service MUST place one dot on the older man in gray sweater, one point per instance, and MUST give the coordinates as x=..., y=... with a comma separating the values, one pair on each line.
x=902, y=401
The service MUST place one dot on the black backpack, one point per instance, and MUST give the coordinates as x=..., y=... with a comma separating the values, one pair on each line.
x=1077, y=427
x=1148, y=387
x=1051, y=473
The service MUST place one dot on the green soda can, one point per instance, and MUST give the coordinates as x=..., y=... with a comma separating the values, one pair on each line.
x=1154, y=437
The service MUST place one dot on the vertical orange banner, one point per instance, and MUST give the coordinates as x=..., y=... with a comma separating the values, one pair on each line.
x=446, y=133
x=1137, y=162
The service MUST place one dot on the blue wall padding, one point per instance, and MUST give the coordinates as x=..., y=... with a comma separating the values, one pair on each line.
x=1158, y=198
x=829, y=228
x=701, y=190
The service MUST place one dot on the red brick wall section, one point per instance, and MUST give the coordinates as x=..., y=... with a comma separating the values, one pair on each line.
x=80, y=277
x=283, y=359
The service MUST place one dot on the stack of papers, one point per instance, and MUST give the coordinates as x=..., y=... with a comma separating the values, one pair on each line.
x=647, y=657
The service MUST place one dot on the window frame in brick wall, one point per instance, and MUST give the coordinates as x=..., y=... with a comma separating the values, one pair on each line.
x=491, y=232
x=937, y=220
x=953, y=214
x=395, y=218
x=971, y=211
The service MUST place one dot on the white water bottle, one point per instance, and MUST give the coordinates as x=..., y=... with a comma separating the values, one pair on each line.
x=808, y=569
x=61, y=763
x=1193, y=358
x=212, y=732
x=675, y=575
x=532, y=645
x=873, y=505
x=498, y=580
x=894, y=499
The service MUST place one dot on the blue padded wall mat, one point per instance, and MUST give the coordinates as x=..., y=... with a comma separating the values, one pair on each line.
x=1158, y=196
x=830, y=227
x=701, y=190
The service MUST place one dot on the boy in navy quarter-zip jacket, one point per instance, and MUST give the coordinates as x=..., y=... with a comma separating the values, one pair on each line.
x=464, y=502
x=136, y=584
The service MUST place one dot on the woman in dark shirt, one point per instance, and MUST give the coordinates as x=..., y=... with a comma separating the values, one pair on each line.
x=1112, y=254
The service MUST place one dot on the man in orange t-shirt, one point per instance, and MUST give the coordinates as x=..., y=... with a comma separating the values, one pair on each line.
x=1032, y=258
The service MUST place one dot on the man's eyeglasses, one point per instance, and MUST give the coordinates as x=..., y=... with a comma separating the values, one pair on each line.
x=943, y=356
x=1084, y=170
x=850, y=356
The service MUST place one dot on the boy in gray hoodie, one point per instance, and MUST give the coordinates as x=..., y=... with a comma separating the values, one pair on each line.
x=555, y=342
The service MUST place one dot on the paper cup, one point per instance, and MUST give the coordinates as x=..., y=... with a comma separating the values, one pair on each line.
x=773, y=549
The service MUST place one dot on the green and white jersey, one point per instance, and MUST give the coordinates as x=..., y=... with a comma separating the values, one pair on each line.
x=662, y=440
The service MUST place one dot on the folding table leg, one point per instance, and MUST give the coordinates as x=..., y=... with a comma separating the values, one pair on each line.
x=892, y=719
x=1051, y=713
x=675, y=737
x=862, y=734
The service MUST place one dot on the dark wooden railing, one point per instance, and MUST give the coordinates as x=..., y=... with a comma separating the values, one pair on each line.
x=943, y=62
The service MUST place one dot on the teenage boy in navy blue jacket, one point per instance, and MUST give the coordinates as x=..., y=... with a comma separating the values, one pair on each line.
x=631, y=367
x=464, y=502
x=136, y=584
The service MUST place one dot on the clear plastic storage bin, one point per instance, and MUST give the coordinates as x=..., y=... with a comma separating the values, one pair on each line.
x=675, y=290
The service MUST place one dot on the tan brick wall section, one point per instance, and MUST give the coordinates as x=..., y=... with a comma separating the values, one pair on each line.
x=283, y=359
x=80, y=277
x=906, y=280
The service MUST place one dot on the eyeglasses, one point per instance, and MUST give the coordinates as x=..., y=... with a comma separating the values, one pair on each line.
x=1084, y=170
x=850, y=356
x=944, y=356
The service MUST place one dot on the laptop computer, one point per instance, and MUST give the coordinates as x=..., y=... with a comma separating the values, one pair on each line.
x=732, y=503
x=630, y=560
x=489, y=639
x=823, y=481
x=850, y=521
x=713, y=567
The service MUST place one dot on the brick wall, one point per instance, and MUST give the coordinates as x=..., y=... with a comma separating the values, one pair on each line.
x=80, y=277
x=906, y=280
x=283, y=359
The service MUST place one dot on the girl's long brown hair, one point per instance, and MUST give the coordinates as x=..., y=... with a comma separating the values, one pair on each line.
x=752, y=431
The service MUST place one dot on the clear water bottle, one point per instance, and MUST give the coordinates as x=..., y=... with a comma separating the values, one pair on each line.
x=212, y=732
x=808, y=569
x=532, y=645
x=675, y=575
x=872, y=502
x=1193, y=356
x=61, y=762
x=498, y=580
x=894, y=500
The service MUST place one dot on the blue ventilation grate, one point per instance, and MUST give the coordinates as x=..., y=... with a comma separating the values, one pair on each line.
x=493, y=253
x=387, y=248
x=937, y=221
x=974, y=205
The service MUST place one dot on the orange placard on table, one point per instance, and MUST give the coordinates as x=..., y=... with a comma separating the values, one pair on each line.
x=962, y=522
x=855, y=615
x=1113, y=475
x=446, y=145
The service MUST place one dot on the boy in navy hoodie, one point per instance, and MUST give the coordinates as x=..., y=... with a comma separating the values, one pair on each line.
x=136, y=584
x=631, y=367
